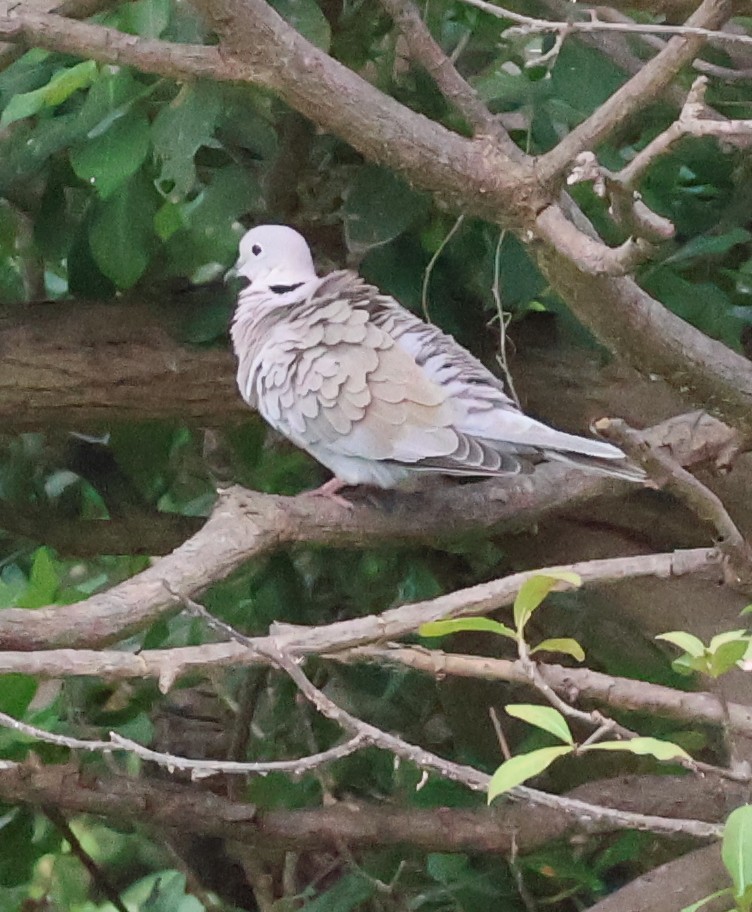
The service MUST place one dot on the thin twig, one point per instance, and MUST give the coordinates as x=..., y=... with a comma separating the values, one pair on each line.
x=531, y=25
x=199, y=769
x=426, y=51
x=432, y=262
x=504, y=318
x=587, y=815
x=670, y=476
x=56, y=817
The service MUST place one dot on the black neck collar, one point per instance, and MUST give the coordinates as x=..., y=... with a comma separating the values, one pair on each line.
x=284, y=289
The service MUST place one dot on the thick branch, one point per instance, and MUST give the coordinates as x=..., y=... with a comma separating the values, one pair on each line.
x=169, y=664
x=108, y=45
x=489, y=830
x=246, y=524
x=76, y=365
x=628, y=320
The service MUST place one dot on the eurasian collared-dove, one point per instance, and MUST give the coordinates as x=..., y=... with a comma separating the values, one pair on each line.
x=371, y=391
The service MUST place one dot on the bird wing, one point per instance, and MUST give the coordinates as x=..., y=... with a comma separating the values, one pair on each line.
x=333, y=377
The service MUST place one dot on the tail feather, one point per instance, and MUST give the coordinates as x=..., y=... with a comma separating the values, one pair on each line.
x=612, y=466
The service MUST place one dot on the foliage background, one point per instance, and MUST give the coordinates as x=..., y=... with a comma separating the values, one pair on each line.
x=121, y=185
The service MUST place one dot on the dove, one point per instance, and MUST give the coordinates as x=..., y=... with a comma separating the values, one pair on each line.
x=372, y=392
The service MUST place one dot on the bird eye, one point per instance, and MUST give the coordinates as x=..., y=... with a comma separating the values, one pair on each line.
x=255, y=250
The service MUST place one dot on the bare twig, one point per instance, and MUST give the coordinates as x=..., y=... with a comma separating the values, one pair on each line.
x=199, y=769
x=692, y=121
x=531, y=25
x=99, y=877
x=572, y=683
x=668, y=474
x=645, y=86
x=426, y=51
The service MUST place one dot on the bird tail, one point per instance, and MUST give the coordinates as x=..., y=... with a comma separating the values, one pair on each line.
x=610, y=466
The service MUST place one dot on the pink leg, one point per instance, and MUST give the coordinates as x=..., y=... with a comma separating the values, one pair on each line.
x=329, y=490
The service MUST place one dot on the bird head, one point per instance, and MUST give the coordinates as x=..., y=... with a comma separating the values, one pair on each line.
x=272, y=255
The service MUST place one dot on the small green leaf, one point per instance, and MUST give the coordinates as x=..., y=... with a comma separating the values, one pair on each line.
x=545, y=717
x=695, y=907
x=736, y=849
x=62, y=85
x=730, y=636
x=516, y=770
x=533, y=591
x=561, y=644
x=444, y=628
x=43, y=581
x=686, y=641
x=650, y=747
x=746, y=610
x=726, y=657
x=109, y=159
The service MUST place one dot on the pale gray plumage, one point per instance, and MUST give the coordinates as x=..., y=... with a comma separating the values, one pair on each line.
x=371, y=391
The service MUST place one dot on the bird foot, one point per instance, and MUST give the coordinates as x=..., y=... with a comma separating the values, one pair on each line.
x=329, y=490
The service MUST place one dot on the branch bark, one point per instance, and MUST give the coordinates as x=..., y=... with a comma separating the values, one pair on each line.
x=493, y=830
x=246, y=524
x=79, y=365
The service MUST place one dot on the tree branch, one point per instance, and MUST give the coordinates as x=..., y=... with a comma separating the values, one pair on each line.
x=169, y=664
x=646, y=333
x=459, y=93
x=590, y=686
x=641, y=90
x=186, y=808
x=80, y=365
x=245, y=524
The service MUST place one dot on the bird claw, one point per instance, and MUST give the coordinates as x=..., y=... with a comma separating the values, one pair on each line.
x=329, y=490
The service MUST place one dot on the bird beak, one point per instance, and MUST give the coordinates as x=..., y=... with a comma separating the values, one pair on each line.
x=232, y=273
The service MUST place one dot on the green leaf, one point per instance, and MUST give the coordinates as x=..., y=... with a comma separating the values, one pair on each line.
x=724, y=639
x=686, y=641
x=307, y=18
x=545, y=717
x=147, y=18
x=444, y=628
x=350, y=892
x=108, y=160
x=43, y=581
x=168, y=895
x=710, y=245
x=567, y=645
x=379, y=207
x=516, y=770
x=695, y=907
x=16, y=692
x=726, y=657
x=650, y=747
x=62, y=85
x=533, y=591
x=168, y=220
x=736, y=849
x=121, y=235
x=179, y=131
